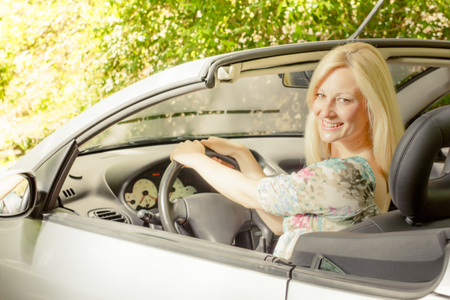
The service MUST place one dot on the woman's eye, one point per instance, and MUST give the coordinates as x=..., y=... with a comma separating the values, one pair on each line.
x=343, y=100
x=320, y=96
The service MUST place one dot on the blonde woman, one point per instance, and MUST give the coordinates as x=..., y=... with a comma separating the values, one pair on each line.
x=352, y=130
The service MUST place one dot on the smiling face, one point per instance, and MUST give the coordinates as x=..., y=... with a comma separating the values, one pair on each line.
x=340, y=109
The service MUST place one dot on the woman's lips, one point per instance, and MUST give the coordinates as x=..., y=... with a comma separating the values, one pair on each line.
x=331, y=126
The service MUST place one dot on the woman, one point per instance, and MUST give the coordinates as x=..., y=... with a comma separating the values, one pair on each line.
x=352, y=130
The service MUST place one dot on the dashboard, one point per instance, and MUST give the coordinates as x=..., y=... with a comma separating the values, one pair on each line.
x=123, y=184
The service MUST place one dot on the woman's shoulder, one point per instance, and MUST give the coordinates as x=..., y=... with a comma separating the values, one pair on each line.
x=350, y=164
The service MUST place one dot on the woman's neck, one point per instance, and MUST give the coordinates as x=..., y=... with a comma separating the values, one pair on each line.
x=362, y=148
x=356, y=147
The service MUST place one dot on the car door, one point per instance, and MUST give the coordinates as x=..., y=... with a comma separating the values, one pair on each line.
x=64, y=256
x=406, y=265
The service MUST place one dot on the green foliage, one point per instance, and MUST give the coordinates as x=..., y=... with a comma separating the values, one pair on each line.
x=59, y=57
x=442, y=102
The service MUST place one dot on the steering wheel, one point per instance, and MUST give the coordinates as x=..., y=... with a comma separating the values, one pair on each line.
x=211, y=216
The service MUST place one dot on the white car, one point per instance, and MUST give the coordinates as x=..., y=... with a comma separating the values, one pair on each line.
x=104, y=215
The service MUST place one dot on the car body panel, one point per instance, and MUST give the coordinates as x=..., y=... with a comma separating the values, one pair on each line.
x=444, y=286
x=95, y=259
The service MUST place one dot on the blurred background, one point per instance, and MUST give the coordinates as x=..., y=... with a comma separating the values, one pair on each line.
x=58, y=58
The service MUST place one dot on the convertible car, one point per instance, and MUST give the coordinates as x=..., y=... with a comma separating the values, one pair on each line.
x=98, y=211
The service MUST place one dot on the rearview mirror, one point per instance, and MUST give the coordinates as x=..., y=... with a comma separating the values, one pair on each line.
x=17, y=194
x=297, y=79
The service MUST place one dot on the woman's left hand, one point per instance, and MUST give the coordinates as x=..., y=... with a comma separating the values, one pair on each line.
x=186, y=152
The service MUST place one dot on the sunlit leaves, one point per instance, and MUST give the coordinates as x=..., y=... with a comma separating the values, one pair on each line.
x=59, y=57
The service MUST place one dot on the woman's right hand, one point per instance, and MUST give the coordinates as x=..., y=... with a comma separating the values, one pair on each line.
x=186, y=153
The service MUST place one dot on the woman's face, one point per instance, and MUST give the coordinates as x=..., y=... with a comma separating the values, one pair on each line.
x=340, y=109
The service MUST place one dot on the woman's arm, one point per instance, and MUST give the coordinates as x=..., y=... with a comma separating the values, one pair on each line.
x=239, y=187
x=232, y=184
x=275, y=223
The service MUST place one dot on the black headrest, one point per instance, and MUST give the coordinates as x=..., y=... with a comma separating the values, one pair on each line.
x=415, y=195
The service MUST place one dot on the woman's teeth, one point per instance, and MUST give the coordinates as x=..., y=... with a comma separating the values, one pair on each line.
x=332, y=125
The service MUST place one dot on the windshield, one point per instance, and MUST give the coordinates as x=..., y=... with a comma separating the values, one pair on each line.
x=250, y=106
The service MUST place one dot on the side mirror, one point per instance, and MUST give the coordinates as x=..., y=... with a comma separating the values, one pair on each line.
x=17, y=194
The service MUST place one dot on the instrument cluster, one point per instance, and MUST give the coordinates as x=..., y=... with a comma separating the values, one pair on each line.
x=142, y=191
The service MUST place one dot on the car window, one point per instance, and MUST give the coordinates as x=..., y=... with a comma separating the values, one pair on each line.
x=402, y=74
x=258, y=105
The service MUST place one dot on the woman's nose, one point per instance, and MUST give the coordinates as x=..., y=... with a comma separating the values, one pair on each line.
x=327, y=109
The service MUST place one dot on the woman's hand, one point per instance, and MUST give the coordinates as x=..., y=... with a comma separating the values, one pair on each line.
x=186, y=153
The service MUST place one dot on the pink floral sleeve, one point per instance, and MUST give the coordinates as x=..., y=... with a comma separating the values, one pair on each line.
x=329, y=195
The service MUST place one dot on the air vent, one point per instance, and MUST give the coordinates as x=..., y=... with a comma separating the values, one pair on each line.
x=68, y=193
x=110, y=215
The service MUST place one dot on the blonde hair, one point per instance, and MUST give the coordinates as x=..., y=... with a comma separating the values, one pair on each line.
x=375, y=82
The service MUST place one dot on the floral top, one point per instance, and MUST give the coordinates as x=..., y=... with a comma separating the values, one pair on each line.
x=327, y=196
